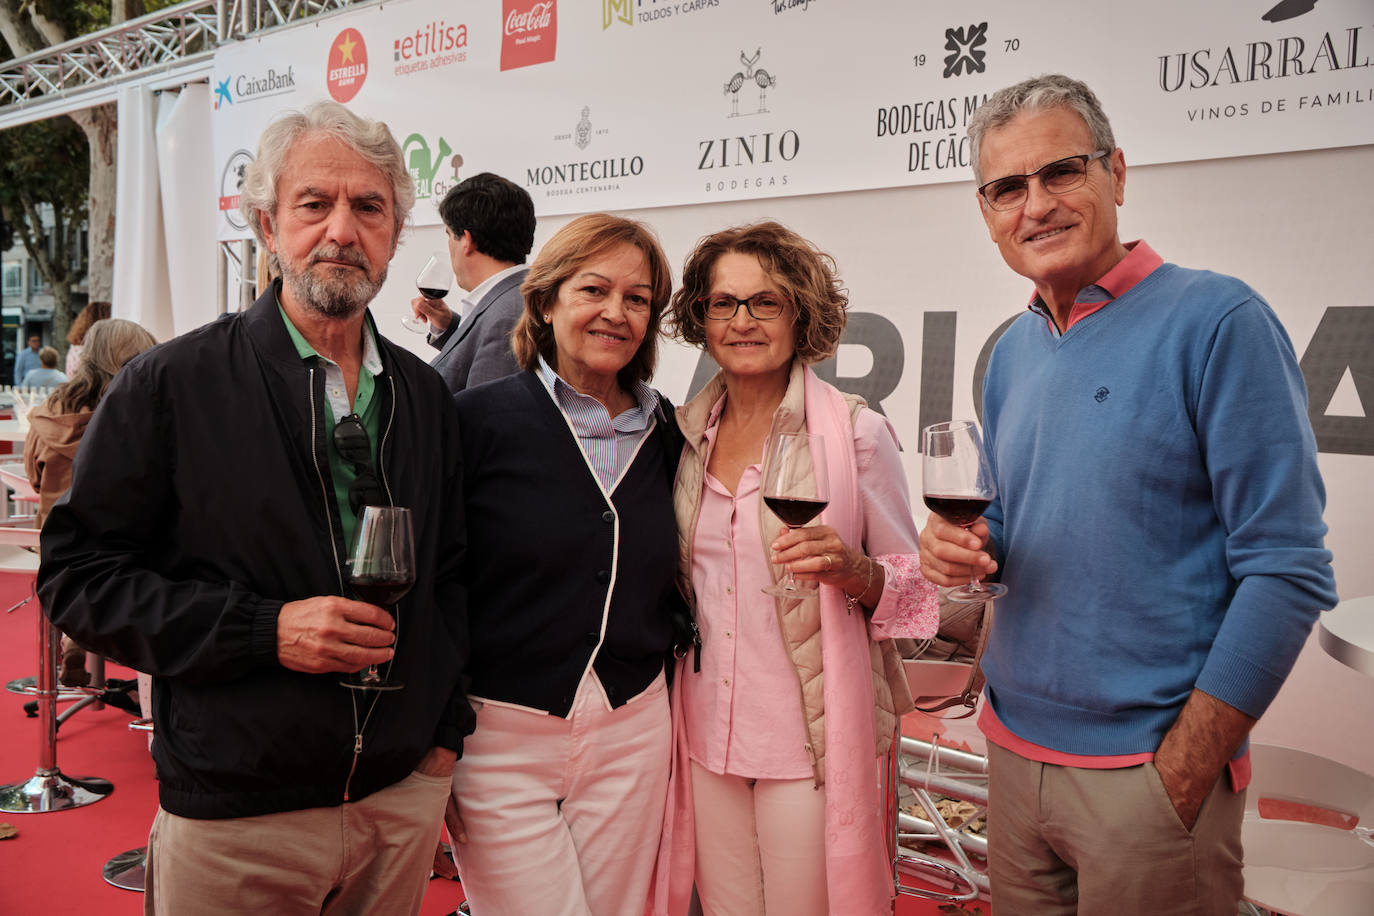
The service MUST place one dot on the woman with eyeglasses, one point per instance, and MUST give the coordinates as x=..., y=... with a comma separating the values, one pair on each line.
x=777, y=735
x=571, y=554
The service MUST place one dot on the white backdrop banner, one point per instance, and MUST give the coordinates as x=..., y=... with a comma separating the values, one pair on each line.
x=623, y=104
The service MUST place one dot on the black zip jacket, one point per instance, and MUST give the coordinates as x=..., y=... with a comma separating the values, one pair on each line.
x=201, y=501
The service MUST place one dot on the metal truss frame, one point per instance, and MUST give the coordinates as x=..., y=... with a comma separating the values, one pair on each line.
x=168, y=48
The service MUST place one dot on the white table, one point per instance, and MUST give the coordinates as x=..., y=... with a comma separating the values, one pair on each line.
x=1347, y=633
x=12, y=431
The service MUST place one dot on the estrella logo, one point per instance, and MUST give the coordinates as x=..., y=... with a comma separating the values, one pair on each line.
x=347, y=67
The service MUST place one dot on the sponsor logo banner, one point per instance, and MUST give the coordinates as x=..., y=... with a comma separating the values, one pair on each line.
x=666, y=102
x=347, y=65
x=530, y=33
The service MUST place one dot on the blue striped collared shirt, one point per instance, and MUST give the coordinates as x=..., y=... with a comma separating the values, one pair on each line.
x=609, y=443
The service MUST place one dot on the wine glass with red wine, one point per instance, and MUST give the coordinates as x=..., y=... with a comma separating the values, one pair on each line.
x=381, y=572
x=434, y=282
x=958, y=485
x=796, y=488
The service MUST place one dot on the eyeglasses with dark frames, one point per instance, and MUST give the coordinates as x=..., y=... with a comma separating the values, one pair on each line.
x=760, y=306
x=1057, y=177
x=355, y=447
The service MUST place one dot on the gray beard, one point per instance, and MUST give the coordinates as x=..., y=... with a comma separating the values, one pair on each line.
x=331, y=294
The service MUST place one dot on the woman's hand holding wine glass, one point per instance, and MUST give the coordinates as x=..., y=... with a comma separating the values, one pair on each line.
x=958, y=486
x=796, y=488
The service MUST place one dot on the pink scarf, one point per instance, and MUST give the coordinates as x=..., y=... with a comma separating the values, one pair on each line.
x=858, y=874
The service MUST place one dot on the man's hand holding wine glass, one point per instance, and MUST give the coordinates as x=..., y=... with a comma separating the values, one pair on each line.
x=432, y=314
x=329, y=633
x=951, y=555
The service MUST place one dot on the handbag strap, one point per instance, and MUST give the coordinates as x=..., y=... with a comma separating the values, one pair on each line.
x=968, y=698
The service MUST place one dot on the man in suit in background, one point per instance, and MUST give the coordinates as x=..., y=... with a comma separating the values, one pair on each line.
x=490, y=225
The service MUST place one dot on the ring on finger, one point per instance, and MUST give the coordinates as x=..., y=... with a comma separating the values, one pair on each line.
x=829, y=563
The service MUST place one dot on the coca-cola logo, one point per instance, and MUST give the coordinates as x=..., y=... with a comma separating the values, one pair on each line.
x=531, y=32
x=539, y=16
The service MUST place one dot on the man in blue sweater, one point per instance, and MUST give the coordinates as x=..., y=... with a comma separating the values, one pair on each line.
x=1158, y=526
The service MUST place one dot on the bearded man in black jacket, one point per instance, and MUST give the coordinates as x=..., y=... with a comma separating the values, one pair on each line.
x=204, y=540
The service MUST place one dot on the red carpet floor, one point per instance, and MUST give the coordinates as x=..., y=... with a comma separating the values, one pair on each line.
x=53, y=865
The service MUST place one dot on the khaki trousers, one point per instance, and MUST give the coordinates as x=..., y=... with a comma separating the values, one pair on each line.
x=371, y=857
x=1064, y=840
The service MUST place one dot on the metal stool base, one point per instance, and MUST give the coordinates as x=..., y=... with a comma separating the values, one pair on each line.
x=50, y=790
x=28, y=686
x=126, y=871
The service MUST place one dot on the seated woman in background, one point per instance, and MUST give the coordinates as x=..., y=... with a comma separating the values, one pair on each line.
x=774, y=770
x=572, y=550
x=47, y=374
x=76, y=334
x=55, y=430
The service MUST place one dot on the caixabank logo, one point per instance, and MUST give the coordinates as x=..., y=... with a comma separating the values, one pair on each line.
x=269, y=82
x=347, y=66
x=529, y=33
x=756, y=159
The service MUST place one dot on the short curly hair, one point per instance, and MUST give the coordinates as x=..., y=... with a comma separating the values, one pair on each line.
x=805, y=274
x=578, y=242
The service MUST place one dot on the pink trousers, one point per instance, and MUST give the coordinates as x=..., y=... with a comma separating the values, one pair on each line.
x=760, y=845
x=563, y=815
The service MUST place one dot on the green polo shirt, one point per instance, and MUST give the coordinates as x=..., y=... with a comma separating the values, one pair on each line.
x=336, y=404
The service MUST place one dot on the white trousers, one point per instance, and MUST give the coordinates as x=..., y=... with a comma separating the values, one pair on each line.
x=760, y=845
x=563, y=816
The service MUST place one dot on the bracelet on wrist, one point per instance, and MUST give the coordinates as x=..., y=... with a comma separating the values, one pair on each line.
x=852, y=601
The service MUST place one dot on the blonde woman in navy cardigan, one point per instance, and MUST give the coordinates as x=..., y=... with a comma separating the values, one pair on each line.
x=572, y=549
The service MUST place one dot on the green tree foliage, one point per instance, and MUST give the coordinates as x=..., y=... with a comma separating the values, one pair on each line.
x=47, y=162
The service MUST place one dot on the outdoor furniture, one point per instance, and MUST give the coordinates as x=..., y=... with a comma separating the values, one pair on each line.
x=925, y=767
x=1309, y=849
x=49, y=789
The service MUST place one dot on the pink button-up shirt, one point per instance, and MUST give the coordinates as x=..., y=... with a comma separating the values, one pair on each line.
x=743, y=712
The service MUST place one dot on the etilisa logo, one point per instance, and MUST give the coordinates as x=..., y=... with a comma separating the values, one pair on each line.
x=431, y=46
x=424, y=163
x=966, y=49
x=760, y=153
x=530, y=32
x=231, y=188
x=757, y=76
x=250, y=87
x=347, y=65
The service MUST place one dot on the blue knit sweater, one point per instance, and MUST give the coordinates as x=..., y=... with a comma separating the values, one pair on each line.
x=1159, y=519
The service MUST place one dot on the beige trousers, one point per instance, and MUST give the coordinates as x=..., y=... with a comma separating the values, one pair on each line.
x=760, y=845
x=371, y=857
x=1064, y=840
